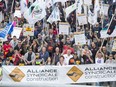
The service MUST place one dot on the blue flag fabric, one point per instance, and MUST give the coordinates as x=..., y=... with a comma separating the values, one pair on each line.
x=7, y=30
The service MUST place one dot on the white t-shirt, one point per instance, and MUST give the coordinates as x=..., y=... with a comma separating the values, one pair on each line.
x=67, y=58
x=99, y=60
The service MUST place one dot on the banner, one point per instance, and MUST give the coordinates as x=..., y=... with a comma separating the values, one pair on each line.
x=28, y=30
x=64, y=28
x=82, y=19
x=35, y=12
x=60, y=74
x=16, y=32
x=55, y=15
x=80, y=39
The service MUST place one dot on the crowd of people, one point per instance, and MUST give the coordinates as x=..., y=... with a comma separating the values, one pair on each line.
x=48, y=47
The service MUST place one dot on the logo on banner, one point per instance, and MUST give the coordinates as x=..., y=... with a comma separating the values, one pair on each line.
x=28, y=29
x=74, y=73
x=17, y=75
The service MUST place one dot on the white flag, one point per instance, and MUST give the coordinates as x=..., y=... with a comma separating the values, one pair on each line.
x=1, y=17
x=48, y=3
x=79, y=5
x=54, y=1
x=35, y=12
x=97, y=6
x=92, y=18
x=55, y=15
x=70, y=9
x=23, y=6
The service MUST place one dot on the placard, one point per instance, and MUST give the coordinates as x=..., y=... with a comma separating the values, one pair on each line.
x=16, y=32
x=64, y=28
x=80, y=39
x=17, y=13
x=28, y=30
x=82, y=19
x=114, y=46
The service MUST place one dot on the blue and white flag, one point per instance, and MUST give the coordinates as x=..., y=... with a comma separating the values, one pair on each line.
x=7, y=30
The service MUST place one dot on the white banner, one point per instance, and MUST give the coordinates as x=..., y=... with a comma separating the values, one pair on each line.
x=60, y=74
x=64, y=28
x=28, y=29
x=16, y=32
x=80, y=39
x=82, y=19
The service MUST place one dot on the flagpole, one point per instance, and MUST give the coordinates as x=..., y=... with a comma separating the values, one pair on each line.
x=12, y=10
x=76, y=16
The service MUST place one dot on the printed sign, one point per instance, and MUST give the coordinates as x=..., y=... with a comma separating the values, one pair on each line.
x=80, y=39
x=28, y=30
x=82, y=19
x=16, y=32
x=64, y=28
x=114, y=46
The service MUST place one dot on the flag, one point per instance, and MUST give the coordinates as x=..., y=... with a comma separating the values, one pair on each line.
x=79, y=5
x=13, y=24
x=35, y=12
x=1, y=18
x=112, y=25
x=96, y=6
x=70, y=9
x=92, y=18
x=23, y=5
x=103, y=32
x=63, y=1
x=48, y=3
x=7, y=29
x=55, y=15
